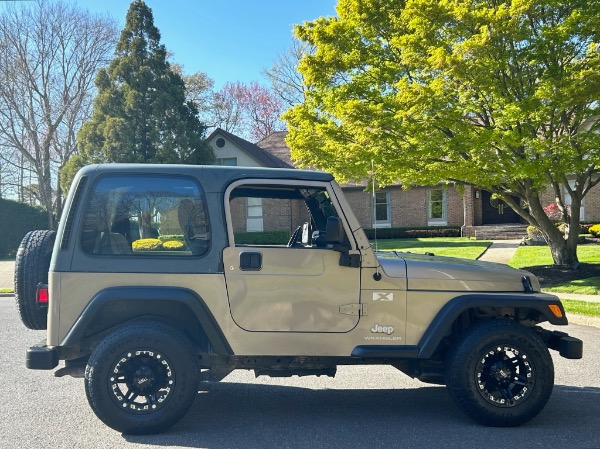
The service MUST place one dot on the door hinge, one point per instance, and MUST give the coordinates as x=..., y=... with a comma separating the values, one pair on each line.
x=354, y=309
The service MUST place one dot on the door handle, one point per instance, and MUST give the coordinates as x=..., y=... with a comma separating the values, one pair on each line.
x=250, y=261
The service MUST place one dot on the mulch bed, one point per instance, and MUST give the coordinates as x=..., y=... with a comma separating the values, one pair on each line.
x=550, y=275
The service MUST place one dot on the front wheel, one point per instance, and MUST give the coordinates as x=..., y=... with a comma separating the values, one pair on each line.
x=142, y=378
x=500, y=373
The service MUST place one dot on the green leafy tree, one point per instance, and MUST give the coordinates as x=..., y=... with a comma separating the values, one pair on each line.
x=141, y=113
x=499, y=94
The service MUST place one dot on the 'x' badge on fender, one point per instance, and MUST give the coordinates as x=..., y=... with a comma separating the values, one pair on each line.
x=378, y=296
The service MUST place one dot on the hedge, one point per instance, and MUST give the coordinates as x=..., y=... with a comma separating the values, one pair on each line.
x=262, y=238
x=16, y=220
x=171, y=237
x=414, y=232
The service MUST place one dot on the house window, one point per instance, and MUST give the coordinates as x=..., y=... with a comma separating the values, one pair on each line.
x=229, y=161
x=381, y=210
x=437, y=207
x=254, y=215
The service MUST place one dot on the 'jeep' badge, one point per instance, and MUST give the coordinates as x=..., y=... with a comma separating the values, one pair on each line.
x=379, y=329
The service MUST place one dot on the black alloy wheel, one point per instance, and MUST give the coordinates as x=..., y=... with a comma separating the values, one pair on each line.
x=500, y=373
x=142, y=378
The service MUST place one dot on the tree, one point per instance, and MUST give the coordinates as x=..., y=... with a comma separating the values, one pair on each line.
x=198, y=87
x=49, y=56
x=141, y=113
x=251, y=111
x=286, y=80
x=227, y=111
x=503, y=95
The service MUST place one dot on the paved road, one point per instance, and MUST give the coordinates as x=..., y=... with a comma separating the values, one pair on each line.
x=376, y=407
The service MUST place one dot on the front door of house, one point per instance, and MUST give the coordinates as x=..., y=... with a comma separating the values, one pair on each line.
x=495, y=211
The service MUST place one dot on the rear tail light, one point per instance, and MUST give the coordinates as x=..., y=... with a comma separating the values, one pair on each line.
x=41, y=295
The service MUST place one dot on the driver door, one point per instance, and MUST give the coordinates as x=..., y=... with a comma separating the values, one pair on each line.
x=279, y=288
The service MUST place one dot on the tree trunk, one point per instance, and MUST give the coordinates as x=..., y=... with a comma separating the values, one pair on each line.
x=564, y=252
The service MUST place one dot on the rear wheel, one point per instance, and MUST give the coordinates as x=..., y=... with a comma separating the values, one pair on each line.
x=142, y=378
x=31, y=268
x=500, y=373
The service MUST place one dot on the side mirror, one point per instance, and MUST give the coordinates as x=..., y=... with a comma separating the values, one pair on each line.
x=335, y=231
x=336, y=238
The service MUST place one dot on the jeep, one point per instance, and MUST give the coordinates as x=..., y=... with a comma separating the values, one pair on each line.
x=163, y=276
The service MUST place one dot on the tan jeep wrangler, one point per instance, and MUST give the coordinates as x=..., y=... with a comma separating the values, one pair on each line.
x=152, y=283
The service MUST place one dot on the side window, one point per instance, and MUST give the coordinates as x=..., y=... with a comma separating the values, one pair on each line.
x=145, y=216
x=280, y=215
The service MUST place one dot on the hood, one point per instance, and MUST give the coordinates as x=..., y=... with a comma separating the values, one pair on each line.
x=451, y=274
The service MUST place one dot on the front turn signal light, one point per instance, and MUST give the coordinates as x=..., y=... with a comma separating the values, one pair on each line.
x=555, y=309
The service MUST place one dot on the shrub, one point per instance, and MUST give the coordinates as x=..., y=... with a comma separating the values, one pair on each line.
x=554, y=213
x=595, y=230
x=533, y=232
x=585, y=228
x=16, y=220
x=147, y=245
x=413, y=232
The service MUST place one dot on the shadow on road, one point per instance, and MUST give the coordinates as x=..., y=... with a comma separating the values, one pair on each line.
x=231, y=415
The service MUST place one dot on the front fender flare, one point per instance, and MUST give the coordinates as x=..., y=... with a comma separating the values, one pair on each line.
x=453, y=308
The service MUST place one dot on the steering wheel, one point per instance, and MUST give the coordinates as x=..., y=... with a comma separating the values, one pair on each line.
x=295, y=236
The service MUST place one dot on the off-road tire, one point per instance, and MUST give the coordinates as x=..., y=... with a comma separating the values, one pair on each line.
x=500, y=373
x=142, y=378
x=31, y=268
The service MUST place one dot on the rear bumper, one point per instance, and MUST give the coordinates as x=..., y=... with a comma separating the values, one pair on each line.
x=568, y=347
x=40, y=356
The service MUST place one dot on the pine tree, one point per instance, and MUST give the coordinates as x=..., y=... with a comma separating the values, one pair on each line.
x=141, y=113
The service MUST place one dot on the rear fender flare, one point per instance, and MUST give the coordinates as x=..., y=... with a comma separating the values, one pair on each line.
x=116, y=305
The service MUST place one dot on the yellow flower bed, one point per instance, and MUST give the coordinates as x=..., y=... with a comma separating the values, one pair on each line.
x=147, y=245
x=173, y=245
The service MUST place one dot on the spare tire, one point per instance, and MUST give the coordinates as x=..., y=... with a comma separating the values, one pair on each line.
x=31, y=268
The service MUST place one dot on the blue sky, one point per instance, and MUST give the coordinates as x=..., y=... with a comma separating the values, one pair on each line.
x=229, y=40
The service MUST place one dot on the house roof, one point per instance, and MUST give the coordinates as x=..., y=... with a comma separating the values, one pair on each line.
x=264, y=157
x=275, y=145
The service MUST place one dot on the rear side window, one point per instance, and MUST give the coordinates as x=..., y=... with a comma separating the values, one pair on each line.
x=153, y=216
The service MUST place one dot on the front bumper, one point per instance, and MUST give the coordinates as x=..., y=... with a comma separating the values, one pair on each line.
x=40, y=356
x=568, y=347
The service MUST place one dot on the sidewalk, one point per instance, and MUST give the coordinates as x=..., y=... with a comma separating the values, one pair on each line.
x=500, y=251
x=7, y=273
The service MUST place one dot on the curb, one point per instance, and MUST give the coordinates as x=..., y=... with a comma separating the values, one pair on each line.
x=583, y=320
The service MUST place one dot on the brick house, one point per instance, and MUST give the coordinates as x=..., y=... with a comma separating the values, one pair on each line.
x=474, y=210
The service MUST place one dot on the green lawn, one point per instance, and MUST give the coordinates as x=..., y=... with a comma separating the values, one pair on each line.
x=6, y=290
x=447, y=246
x=588, y=286
x=528, y=256
x=581, y=307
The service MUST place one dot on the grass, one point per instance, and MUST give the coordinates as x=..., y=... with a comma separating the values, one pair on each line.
x=581, y=307
x=588, y=286
x=462, y=247
x=6, y=290
x=529, y=256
